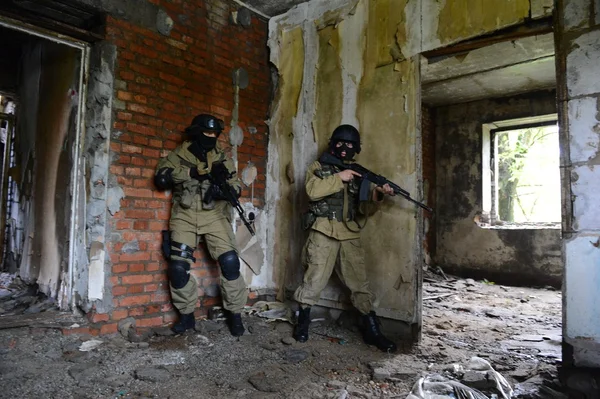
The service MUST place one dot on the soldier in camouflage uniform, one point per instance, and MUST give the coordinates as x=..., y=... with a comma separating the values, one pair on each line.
x=334, y=218
x=199, y=209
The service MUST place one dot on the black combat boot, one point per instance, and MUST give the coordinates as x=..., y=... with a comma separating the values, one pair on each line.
x=186, y=322
x=234, y=321
x=301, y=329
x=373, y=336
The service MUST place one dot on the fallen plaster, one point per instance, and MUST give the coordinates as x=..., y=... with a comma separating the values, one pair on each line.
x=516, y=329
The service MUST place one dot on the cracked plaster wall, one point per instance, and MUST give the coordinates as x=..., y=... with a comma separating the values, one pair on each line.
x=578, y=43
x=336, y=84
x=99, y=190
x=514, y=256
x=354, y=61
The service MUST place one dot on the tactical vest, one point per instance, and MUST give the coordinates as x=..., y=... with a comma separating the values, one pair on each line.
x=185, y=193
x=332, y=206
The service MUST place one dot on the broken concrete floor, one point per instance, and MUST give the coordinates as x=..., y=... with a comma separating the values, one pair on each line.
x=516, y=329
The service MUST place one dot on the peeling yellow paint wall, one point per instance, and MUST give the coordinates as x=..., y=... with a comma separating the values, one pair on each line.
x=387, y=25
x=450, y=21
x=361, y=67
x=387, y=115
x=291, y=70
x=328, y=87
x=358, y=80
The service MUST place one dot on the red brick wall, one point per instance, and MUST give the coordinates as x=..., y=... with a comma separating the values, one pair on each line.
x=162, y=82
x=428, y=165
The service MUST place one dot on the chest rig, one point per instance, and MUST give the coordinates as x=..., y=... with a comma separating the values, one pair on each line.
x=332, y=207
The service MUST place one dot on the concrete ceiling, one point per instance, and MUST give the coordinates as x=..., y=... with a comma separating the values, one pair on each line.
x=271, y=8
x=498, y=70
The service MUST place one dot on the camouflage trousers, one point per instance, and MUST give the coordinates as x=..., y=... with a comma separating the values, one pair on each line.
x=320, y=255
x=219, y=239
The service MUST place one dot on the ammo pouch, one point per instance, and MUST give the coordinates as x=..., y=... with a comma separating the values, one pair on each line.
x=308, y=219
x=190, y=188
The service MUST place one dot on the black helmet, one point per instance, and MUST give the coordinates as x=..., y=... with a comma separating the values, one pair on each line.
x=346, y=133
x=207, y=123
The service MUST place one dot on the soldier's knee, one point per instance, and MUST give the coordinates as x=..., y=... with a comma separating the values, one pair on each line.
x=230, y=265
x=179, y=273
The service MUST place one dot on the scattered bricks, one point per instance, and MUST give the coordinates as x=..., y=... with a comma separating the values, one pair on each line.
x=76, y=331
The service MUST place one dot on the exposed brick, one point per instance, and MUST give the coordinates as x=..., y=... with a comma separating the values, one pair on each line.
x=137, y=279
x=119, y=314
x=164, y=81
x=134, y=300
x=99, y=317
x=151, y=322
x=110, y=328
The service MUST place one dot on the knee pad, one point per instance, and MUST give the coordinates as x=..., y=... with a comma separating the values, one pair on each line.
x=179, y=273
x=230, y=265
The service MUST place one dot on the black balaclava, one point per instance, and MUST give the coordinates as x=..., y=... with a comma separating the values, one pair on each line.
x=207, y=143
x=205, y=123
x=337, y=151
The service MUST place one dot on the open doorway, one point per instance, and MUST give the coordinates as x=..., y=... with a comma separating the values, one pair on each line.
x=491, y=163
x=41, y=78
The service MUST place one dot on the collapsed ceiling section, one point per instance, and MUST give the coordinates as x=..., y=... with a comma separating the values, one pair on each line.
x=499, y=70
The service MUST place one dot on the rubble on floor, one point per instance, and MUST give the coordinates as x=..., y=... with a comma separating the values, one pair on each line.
x=514, y=330
x=17, y=297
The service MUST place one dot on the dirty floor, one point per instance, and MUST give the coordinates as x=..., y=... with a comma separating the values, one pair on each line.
x=517, y=330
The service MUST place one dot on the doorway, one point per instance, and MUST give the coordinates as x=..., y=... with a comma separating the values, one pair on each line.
x=42, y=85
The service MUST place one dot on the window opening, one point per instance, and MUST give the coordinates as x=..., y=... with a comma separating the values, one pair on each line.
x=522, y=182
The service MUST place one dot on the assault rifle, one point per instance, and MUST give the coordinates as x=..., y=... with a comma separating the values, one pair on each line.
x=218, y=176
x=367, y=176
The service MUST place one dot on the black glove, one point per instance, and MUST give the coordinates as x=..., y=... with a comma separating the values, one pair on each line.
x=195, y=175
x=219, y=172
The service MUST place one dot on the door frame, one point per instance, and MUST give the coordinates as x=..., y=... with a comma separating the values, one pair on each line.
x=65, y=293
